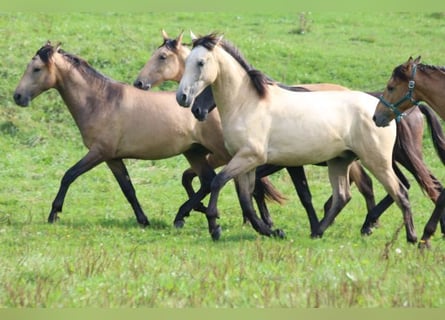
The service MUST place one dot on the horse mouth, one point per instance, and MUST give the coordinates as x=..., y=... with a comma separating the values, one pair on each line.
x=20, y=100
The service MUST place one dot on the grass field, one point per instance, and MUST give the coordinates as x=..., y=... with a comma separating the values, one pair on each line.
x=98, y=256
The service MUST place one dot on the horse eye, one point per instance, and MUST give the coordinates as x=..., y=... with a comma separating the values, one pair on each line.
x=201, y=63
x=36, y=70
x=390, y=89
x=163, y=57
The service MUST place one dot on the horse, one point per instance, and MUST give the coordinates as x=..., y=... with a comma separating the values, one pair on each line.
x=264, y=123
x=117, y=121
x=410, y=83
x=167, y=63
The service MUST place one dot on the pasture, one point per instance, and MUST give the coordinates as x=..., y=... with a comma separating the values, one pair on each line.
x=97, y=256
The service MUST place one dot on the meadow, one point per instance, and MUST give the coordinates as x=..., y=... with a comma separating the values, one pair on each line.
x=97, y=256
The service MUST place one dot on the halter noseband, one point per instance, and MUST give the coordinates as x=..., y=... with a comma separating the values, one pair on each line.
x=407, y=96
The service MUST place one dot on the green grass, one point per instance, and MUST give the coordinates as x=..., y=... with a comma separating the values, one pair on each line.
x=97, y=256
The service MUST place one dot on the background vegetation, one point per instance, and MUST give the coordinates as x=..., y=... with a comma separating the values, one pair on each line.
x=97, y=255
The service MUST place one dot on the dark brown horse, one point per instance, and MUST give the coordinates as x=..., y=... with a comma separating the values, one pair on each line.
x=410, y=83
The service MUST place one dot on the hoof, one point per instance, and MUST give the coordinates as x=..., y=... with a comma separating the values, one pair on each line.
x=316, y=235
x=144, y=222
x=179, y=224
x=412, y=240
x=53, y=219
x=216, y=233
x=366, y=231
x=278, y=233
x=424, y=244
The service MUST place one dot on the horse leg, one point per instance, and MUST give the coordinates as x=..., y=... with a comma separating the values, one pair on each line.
x=120, y=172
x=187, y=177
x=246, y=184
x=364, y=184
x=373, y=215
x=431, y=225
x=299, y=180
x=387, y=177
x=197, y=159
x=339, y=178
x=89, y=161
x=235, y=168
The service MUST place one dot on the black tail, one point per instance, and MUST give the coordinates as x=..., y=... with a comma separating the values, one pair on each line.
x=436, y=131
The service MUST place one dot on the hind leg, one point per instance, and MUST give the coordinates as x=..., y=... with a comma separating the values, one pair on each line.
x=341, y=194
x=431, y=226
x=387, y=177
x=373, y=215
x=187, y=178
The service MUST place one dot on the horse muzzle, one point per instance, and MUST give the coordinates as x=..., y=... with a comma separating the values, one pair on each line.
x=184, y=100
x=21, y=100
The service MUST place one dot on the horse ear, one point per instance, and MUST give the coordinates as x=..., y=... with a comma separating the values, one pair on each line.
x=48, y=43
x=192, y=35
x=417, y=60
x=179, y=39
x=59, y=44
x=164, y=35
x=220, y=39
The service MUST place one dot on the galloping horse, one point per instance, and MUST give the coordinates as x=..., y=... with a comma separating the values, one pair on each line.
x=410, y=83
x=263, y=123
x=168, y=62
x=118, y=121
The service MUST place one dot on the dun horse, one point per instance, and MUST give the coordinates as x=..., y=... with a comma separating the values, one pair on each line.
x=168, y=62
x=263, y=123
x=409, y=84
x=118, y=121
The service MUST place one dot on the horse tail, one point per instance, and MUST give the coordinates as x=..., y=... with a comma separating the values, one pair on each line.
x=436, y=131
x=266, y=188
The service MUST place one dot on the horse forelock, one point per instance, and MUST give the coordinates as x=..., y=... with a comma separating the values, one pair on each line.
x=45, y=53
x=399, y=72
x=170, y=44
x=259, y=79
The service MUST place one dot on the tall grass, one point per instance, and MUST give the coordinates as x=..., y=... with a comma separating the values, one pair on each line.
x=96, y=255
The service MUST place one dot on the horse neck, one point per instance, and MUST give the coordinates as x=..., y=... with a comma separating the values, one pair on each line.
x=232, y=87
x=79, y=94
x=430, y=87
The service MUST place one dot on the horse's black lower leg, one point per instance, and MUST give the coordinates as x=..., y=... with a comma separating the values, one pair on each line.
x=299, y=180
x=120, y=172
x=431, y=225
x=372, y=217
x=205, y=179
x=187, y=179
x=85, y=164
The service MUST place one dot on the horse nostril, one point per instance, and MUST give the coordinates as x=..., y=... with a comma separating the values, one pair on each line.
x=373, y=118
x=138, y=84
x=17, y=97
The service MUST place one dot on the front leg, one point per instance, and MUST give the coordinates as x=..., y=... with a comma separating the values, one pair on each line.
x=242, y=162
x=120, y=172
x=88, y=162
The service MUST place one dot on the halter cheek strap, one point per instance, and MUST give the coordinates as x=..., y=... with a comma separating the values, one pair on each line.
x=408, y=96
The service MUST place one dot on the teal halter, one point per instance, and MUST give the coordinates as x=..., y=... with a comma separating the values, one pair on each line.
x=407, y=96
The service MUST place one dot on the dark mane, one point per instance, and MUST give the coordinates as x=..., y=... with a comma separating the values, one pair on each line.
x=259, y=79
x=400, y=71
x=429, y=67
x=47, y=51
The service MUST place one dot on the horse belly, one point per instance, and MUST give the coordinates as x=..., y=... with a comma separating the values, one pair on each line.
x=298, y=153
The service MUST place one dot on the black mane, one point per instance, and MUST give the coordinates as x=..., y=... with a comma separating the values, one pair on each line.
x=259, y=79
x=47, y=51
